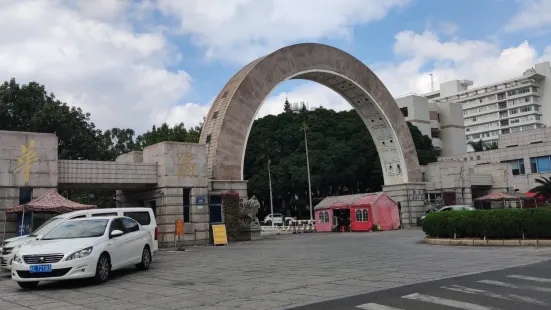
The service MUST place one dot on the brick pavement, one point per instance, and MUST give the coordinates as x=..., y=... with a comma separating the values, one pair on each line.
x=276, y=273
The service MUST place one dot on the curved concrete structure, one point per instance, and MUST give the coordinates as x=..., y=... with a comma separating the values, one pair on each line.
x=230, y=118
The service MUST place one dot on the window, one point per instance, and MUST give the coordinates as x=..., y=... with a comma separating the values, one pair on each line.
x=187, y=198
x=513, y=111
x=104, y=214
x=525, y=109
x=404, y=111
x=208, y=139
x=362, y=215
x=78, y=217
x=324, y=217
x=117, y=224
x=25, y=195
x=215, y=115
x=130, y=225
x=141, y=217
x=215, y=209
x=517, y=166
x=540, y=164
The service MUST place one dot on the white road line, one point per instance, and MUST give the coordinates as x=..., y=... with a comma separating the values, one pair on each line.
x=447, y=302
x=498, y=283
x=511, y=297
x=541, y=280
x=372, y=306
x=511, y=285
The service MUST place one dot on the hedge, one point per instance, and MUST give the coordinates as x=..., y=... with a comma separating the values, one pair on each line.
x=490, y=224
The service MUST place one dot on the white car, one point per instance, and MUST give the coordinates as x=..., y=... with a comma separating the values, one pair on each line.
x=277, y=219
x=83, y=248
x=144, y=216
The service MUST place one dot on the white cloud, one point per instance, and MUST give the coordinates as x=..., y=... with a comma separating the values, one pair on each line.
x=91, y=57
x=534, y=14
x=480, y=61
x=242, y=30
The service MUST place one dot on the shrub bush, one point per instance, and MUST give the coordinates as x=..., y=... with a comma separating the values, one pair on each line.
x=490, y=224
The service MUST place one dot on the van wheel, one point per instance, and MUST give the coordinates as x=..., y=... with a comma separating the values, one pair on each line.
x=146, y=259
x=28, y=285
x=103, y=269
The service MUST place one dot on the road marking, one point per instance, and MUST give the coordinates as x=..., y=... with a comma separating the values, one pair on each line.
x=511, y=297
x=372, y=306
x=447, y=302
x=498, y=283
x=541, y=280
x=511, y=285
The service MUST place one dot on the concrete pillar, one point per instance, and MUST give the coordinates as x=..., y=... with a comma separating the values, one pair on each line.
x=411, y=197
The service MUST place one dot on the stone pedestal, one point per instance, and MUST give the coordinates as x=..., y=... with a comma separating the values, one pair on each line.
x=411, y=198
x=249, y=233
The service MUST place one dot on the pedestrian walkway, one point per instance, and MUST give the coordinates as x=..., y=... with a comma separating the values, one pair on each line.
x=510, y=291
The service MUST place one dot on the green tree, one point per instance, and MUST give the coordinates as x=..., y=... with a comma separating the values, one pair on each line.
x=30, y=107
x=343, y=157
x=543, y=188
x=287, y=106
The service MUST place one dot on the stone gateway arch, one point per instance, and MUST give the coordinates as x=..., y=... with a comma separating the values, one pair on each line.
x=228, y=123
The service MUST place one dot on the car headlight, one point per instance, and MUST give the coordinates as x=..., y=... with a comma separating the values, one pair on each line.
x=80, y=254
x=17, y=258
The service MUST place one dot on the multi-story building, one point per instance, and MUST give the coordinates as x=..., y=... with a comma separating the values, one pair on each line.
x=442, y=122
x=509, y=106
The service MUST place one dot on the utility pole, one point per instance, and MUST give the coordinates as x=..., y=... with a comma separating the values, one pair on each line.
x=431, y=83
x=304, y=127
x=271, y=197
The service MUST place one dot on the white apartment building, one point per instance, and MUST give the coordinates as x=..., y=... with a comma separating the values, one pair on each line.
x=442, y=122
x=505, y=107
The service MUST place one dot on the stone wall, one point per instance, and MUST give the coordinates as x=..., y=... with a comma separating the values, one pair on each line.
x=411, y=197
x=26, y=160
x=179, y=165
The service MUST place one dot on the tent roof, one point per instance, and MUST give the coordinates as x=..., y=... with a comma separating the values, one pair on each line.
x=50, y=202
x=345, y=200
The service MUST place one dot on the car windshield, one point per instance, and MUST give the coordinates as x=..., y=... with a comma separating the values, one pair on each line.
x=47, y=226
x=78, y=229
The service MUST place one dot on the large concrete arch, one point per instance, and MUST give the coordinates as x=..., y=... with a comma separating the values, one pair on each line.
x=230, y=118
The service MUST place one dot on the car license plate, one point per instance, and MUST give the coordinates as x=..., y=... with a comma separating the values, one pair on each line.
x=40, y=268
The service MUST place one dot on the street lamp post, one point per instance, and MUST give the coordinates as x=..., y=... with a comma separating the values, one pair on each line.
x=271, y=197
x=304, y=127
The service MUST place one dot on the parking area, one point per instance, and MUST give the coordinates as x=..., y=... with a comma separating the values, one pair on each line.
x=276, y=273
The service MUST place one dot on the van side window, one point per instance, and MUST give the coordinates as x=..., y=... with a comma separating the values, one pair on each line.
x=104, y=214
x=141, y=217
x=78, y=217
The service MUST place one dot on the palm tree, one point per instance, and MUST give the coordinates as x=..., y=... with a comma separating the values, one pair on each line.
x=543, y=188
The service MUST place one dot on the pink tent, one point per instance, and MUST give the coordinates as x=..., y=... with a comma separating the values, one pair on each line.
x=384, y=210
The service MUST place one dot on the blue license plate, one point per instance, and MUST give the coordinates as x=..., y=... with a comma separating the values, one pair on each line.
x=40, y=268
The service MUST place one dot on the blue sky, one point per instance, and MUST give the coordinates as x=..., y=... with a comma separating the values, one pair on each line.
x=135, y=63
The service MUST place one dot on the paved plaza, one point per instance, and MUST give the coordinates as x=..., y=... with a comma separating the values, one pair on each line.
x=280, y=272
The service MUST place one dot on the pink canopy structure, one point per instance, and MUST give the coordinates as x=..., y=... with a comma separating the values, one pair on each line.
x=51, y=202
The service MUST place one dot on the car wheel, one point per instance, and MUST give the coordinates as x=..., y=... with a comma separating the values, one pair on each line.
x=28, y=285
x=146, y=259
x=269, y=223
x=103, y=269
